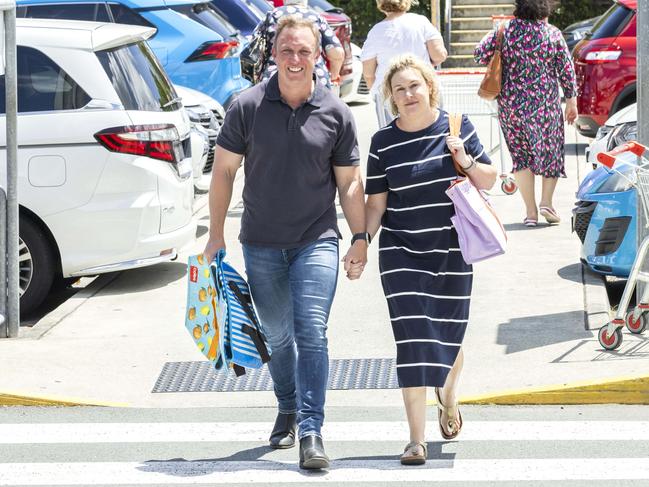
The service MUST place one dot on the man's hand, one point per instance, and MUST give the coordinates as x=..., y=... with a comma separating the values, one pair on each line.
x=356, y=259
x=214, y=244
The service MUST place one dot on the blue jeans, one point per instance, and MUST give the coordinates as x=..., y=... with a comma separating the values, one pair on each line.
x=292, y=290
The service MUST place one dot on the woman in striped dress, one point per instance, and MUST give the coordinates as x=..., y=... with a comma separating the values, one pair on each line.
x=426, y=282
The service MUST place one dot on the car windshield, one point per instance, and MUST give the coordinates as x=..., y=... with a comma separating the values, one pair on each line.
x=138, y=78
x=611, y=23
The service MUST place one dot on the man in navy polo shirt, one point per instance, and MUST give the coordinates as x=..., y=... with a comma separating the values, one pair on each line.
x=299, y=143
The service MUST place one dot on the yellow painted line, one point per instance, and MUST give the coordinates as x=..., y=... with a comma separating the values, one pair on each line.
x=13, y=399
x=623, y=390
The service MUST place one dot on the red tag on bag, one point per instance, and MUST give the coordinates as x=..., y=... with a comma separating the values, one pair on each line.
x=193, y=273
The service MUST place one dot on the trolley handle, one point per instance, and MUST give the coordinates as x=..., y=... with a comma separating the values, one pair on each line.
x=608, y=158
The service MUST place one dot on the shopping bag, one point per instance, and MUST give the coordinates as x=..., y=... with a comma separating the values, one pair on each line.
x=480, y=233
x=244, y=344
x=203, y=319
x=492, y=82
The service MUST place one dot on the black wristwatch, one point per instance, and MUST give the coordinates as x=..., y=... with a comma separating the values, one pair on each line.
x=361, y=236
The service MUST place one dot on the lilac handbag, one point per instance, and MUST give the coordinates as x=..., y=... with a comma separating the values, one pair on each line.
x=479, y=231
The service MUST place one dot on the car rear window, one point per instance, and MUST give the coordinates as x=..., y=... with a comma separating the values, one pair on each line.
x=138, y=78
x=612, y=22
x=204, y=14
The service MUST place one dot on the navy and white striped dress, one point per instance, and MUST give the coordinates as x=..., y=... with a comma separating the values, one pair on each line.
x=426, y=282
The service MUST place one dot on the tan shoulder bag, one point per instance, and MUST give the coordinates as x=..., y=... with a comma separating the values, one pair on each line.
x=492, y=81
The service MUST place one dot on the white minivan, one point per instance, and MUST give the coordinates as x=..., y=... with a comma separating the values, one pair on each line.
x=104, y=158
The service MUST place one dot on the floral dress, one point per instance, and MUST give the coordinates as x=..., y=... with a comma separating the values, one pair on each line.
x=328, y=39
x=535, y=61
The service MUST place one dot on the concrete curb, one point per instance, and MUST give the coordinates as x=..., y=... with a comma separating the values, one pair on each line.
x=622, y=390
x=11, y=399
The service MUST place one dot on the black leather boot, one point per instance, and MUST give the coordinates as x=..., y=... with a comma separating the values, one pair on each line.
x=283, y=434
x=312, y=454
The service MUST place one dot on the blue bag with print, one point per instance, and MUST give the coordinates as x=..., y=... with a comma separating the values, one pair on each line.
x=243, y=342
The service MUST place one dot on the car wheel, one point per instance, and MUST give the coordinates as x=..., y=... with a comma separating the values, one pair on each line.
x=36, y=265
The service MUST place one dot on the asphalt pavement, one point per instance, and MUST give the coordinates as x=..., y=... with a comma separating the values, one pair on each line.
x=532, y=336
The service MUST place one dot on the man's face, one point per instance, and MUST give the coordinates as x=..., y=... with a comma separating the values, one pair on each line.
x=295, y=54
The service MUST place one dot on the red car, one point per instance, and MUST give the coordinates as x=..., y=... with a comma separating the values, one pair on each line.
x=605, y=63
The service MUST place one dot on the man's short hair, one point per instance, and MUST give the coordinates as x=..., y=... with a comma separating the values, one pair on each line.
x=297, y=22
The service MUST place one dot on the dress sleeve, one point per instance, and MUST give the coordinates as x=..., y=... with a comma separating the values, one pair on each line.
x=328, y=38
x=472, y=144
x=485, y=49
x=430, y=31
x=376, y=180
x=563, y=66
x=369, y=47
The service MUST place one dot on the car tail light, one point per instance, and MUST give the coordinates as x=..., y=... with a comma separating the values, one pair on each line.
x=213, y=50
x=156, y=141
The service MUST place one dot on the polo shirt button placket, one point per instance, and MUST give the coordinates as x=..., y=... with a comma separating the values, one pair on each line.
x=292, y=124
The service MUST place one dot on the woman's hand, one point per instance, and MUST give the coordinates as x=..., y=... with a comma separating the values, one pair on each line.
x=571, y=110
x=456, y=146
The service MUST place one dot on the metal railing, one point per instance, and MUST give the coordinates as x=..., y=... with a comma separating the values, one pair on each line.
x=9, y=266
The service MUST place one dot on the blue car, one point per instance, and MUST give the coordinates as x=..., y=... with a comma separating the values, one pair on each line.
x=604, y=219
x=197, y=47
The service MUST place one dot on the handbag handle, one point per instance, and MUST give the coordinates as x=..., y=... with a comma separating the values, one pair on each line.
x=499, y=37
x=454, y=126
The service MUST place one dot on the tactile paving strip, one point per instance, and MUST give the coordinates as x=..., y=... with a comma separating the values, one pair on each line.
x=369, y=373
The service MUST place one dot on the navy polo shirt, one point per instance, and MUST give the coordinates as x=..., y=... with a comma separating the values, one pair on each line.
x=289, y=190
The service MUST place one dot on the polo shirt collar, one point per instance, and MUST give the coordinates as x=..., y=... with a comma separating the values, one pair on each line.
x=273, y=93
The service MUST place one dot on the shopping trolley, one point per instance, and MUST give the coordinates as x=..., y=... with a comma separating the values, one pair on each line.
x=610, y=335
x=459, y=94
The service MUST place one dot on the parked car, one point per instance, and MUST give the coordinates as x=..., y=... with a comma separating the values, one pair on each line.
x=197, y=48
x=577, y=31
x=206, y=116
x=359, y=93
x=604, y=216
x=605, y=64
x=104, y=168
x=244, y=14
x=621, y=127
x=342, y=26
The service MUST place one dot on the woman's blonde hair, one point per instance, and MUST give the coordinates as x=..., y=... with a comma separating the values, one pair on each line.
x=389, y=6
x=409, y=61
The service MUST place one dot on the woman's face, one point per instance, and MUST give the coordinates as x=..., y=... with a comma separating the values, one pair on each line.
x=410, y=92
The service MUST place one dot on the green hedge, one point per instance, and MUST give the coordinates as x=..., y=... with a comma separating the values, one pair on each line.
x=364, y=13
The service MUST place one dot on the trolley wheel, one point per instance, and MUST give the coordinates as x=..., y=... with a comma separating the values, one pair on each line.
x=508, y=187
x=636, y=326
x=612, y=341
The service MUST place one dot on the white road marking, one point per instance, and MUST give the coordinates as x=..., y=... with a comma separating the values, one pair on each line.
x=332, y=431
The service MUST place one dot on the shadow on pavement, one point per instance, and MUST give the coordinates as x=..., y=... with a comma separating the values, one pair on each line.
x=146, y=278
x=571, y=272
x=531, y=332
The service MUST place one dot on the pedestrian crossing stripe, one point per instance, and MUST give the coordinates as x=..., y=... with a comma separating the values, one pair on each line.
x=332, y=431
x=269, y=472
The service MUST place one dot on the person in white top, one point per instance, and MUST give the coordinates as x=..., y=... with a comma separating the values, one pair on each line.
x=401, y=32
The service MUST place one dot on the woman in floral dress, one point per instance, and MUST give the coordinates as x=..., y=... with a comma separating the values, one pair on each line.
x=535, y=61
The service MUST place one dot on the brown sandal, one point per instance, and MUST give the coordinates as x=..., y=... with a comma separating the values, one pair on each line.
x=410, y=457
x=453, y=424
